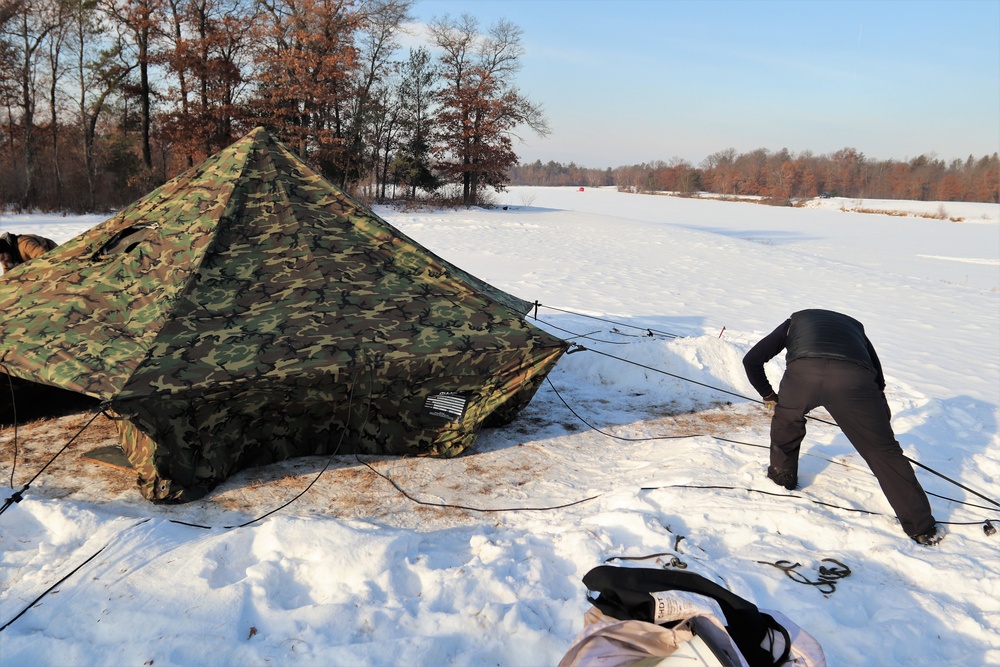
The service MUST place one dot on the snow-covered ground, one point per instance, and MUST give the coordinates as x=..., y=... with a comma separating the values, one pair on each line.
x=355, y=573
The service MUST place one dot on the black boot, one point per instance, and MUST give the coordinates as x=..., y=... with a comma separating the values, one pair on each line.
x=930, y=538
x=785, y=478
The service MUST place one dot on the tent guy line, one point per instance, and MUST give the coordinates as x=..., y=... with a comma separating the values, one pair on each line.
x=393, y=482
x=988, y=527
x=655, y=437
x=329, y=460
x=987, y=524
x=579, y=348
x=10, y=385
x=18, y=495
x=586, y=336
x=71, y=573
x=222, y=316
x=650, y=332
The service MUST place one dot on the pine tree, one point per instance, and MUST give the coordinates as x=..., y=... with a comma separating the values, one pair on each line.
x=412, y=164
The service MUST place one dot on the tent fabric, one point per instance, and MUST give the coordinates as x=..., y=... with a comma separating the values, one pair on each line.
x=249, y=311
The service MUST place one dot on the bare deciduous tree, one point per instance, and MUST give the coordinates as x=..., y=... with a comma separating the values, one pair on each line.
x=480, y=106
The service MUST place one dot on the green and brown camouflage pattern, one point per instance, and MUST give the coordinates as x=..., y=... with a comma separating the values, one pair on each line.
x=248, y=311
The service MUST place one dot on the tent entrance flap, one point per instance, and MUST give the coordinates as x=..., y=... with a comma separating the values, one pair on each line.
x=109, y=455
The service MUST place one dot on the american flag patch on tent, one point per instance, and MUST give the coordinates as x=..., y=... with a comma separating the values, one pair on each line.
x=449, y=405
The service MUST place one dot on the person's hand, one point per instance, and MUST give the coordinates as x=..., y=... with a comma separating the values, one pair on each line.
x=770, y=401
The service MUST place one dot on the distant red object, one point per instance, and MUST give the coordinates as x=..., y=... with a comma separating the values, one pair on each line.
x=581, y=189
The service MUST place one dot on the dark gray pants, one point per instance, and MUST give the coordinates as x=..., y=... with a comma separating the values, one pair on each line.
x=848, y=391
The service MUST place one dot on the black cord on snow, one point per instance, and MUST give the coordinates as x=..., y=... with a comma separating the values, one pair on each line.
x=470, y=508
x=739, y=442
x=329, y=460
x=717, y=487
x=601, y=319
x=986, y=523
x=18, y=495
x=828, y=576
x=663, y=372
x=68, y=575
x=399, y=488
x=580, y=348
x=301, y=493
x=612, y=435
x=13, y=407
x=50, y=588
x=588, y=336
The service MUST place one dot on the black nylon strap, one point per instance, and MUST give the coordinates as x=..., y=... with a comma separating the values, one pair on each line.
x=624, y=593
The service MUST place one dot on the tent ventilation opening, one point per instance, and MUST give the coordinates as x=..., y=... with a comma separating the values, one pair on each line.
x=125, y=241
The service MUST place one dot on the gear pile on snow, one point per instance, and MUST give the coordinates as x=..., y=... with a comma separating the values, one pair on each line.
x=662, y=617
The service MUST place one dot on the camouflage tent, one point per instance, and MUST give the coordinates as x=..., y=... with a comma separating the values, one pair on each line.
x=248, y=311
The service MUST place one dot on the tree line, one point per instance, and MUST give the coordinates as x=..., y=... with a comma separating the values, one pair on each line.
x=105, y=99
x=782, y=177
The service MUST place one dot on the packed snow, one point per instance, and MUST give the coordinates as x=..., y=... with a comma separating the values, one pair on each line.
x=357, y=573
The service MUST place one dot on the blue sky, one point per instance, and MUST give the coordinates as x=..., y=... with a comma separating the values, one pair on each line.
x=629, y=81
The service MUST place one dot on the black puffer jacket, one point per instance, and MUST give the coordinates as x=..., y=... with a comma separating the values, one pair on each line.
x=828, y=335
x=812, y=333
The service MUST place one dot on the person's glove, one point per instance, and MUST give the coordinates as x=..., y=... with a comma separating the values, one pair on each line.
x=770, y=401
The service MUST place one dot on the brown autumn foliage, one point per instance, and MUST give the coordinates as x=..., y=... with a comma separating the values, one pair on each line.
x=782, y=177
x=102, y=100
x=479, y=108
x=143, y=89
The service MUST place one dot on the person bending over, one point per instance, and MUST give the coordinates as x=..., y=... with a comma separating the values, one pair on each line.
x=831, y=363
